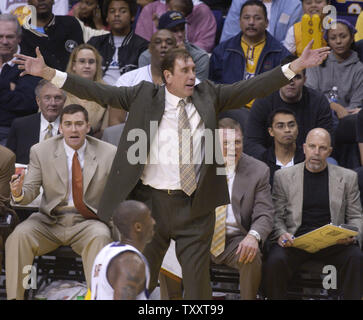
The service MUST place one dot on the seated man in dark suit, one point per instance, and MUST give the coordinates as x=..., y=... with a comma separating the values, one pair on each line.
x=283, y=153
x=307, y=196
x=7, y=168
x=249, y=217
x=29, y=130
x=16, y=93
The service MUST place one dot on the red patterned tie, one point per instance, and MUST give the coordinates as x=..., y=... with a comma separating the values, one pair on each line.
x=77, y=189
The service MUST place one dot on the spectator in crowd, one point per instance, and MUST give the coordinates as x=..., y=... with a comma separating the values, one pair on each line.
x=250, y=52
x=342, y=69
x=175, y=22
x=191, y=201
x=359, y=49
x=283, y=152
x=248, y=222
x=201, y=25
x=7, y=169
x=60, y=7
x=120, y=270
x=86, y=62
x=311, y=108
x=281, y=14
x=89, y=12
x=56, y=36
x=293, y=40
x=308, y=196
x=16, y=93
x=161, y=42
x=29, y=130
x=121, y=48
x=72, y=168
x=359, y=26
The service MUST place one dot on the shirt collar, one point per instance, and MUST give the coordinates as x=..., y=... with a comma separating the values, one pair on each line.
x=172, y=99
x=70, y=151
x=44, y=123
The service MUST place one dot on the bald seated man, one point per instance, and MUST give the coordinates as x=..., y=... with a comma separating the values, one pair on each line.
x=120, y=271
x=307, y=196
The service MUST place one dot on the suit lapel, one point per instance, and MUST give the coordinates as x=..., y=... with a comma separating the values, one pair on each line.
x=90, y=165
x=154, y=113
x=336, y=192
x=60, y=163
x=207, y=117
x=238, y=190
x=297, y=190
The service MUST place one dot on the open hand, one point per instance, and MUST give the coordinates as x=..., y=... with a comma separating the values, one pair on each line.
x=310, y=58
x=33, y=66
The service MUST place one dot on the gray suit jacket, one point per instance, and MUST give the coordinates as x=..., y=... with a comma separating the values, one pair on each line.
x=287, y=195
x=48, y=168
x=251, y=197
x=146, y=103
x=113, y=134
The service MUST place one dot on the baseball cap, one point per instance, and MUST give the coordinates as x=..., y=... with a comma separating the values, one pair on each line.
x=170, y=19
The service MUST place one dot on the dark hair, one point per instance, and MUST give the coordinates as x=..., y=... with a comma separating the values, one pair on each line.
x=187, y=7
x=127, y=214
x=273, y=113
x=131, y=3
x=73, y=108
x=168, y=61
x=257, y=3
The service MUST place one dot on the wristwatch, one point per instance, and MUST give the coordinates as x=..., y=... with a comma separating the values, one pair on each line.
x=255, y=234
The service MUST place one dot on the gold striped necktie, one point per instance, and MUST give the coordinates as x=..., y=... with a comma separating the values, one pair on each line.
x=219, y=236
x=188, y=180
x=49, y=133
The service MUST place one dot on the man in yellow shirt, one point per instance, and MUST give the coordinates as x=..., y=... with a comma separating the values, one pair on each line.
x=251, y=52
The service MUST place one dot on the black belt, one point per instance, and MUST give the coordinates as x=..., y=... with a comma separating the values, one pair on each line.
x=170, y=192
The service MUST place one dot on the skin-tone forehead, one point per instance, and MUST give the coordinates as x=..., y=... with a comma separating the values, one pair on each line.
x=161, y=34
x=319, y=134
x=283, y=117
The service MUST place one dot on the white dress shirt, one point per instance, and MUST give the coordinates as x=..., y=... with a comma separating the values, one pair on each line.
x=162, y=168
x=44, y=127
x=69, y=153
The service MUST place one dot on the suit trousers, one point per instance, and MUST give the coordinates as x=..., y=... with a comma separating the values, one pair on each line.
x=41, y=234
x=192, y=235
x=249, y=274
x=281, y=263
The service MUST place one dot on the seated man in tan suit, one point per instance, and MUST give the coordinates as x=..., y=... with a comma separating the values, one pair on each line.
x=7, y=168
x=249, y=217
x=72, y=168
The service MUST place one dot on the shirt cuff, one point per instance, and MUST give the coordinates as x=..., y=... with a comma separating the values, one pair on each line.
x=255, y=234
x=289, y=74
x=59, y=78
x=18, y=199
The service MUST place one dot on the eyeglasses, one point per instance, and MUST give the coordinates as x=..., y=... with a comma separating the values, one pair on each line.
x=85, y=61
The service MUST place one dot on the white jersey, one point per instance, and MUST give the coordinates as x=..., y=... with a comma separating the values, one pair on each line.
x=100, y=287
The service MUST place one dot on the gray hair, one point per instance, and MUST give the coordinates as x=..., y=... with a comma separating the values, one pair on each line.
x=42, y=83
x=11, y=18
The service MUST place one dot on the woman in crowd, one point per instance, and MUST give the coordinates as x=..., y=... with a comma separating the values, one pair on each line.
x=86, y=62
x=342, y=70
